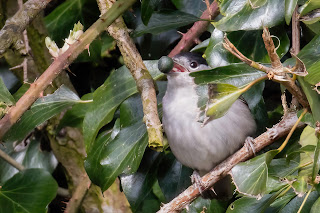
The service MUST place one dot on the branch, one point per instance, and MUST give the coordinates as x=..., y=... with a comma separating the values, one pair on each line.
x=295, y=49
x=60, y=63
x=14, y=26
x=192, y=36
x=144, y=81
x=277, y=131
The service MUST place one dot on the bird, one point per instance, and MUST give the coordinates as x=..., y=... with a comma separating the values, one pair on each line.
x=197, y=145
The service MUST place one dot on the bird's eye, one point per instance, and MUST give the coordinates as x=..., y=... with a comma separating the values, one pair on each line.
x=193, y=64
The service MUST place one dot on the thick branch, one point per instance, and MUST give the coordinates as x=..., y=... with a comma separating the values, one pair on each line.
x=192, y=36
x=279, y=130
x=295, y=49
x=60, y=63
x=144, y=81
x=14, y=26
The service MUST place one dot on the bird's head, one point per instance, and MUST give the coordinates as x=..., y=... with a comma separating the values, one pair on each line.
x=186, y=62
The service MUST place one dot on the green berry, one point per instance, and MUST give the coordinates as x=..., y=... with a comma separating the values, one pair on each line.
x=165, y=64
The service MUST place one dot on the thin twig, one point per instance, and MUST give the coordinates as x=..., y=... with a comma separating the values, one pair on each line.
x=14, y=26
x=295, y=49
x=61, y=63
x=191, y=193
x=189, y=39
x=269, y=45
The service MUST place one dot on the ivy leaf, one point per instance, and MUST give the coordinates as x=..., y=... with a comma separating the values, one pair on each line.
x=300, y=186
x=42, y=110
x=164, y=21
x=28, y=191
x=192, y=7
x=250, y=15
x=5, y=95
x=110, y=157
x=237, y=75
x=309, y=6
x=251, y=177
x=294, y=205
x=118, y=87
x=316, y=161
x=224, y=96
x=30, y=155
x=217, y=55
x=147, y=8
x=290, y=5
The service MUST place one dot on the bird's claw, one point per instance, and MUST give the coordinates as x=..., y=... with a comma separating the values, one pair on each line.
x=249, y=143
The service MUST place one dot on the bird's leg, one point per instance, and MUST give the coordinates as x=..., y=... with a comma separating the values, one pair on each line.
x=196, y=179
x=249, y=143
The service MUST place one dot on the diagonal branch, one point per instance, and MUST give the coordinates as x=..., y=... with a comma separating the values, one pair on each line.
x=192, y=36
x=277, y=131
x=61, y=63
x=14, y=26
x=144, y=81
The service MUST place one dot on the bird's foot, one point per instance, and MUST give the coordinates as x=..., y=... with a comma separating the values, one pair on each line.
x=206, y=194
x=249, y=143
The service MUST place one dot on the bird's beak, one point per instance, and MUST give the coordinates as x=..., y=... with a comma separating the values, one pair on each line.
x=178, y=68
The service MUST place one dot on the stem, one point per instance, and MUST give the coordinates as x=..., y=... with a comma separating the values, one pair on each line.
x=304, y=200
x=60, y=63
x=292, y=130
x=11, y=161
x=245, y=89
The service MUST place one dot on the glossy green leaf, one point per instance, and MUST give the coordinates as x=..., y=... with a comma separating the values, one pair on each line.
x=147, y=8
x=192, y=7
x=237, y=75
x=300, y=186
x=63, y=17
x=164, y=21
x=224, y=96
x=316, y=161
x=241, y=15
x=250, y=177
x=217, y=55
x=74, y=117
x=309, y=6
x=109, y=157
x=106, y=99
x=294, y=205
x=280, y=202
x=308, y=137
x=307, y=118
x=316, y=206
x=173, y=177
x=43, y=109
x=281, y=167
x=290, y=5
x=201, y=205
x=28, y=191
x=249, y=204
x=138, y=187
x=30, y=155
x=5, y=95
x=313, y=76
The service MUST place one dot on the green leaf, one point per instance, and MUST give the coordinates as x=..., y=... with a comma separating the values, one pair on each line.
x=294, y=205
x=281, y=167
x=5, y=95
x=251, y=177
x=30, y=155
x=309, y=6
x=138, y=187
x=316, y=206
x=74, y=117
x=280, y=202
x=109, y=157
x=164, y=21
x=300, y=186
x=249, y=204
x=195, y=8
x=308, y=137
x=201, y=205
x=63, y=17
x=147, y=8
x=42, y=110
x=240, y=15
x=28, y=191
x=119, y=86
x=173, y=177
x=217, y=55
x=313, y=76
x=290, y=5
x=316, y=161
x=224, y=96
x=238, y=75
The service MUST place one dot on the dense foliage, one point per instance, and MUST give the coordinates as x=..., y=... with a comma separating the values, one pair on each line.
x=90, y=120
